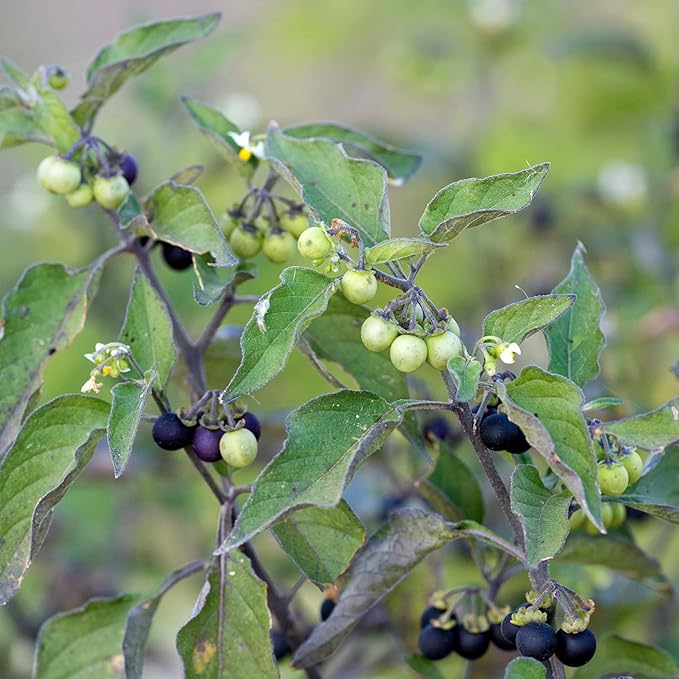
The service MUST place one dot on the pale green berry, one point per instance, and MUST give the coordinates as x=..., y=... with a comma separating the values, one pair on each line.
x=408, y=353
x=81, y=197
x=238, y=448
x=442, y=347
x=296, y=224
x=452, y=326
x=57, y=175
x=245, y=243
x=279, y=247
x=314, y=243
x=633, y=464
x=377, y=334
x=613, y=478
x=359, y=287
x=110, y=192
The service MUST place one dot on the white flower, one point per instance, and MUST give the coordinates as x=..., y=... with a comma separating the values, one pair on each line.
x=247, y=148
x=509, y=352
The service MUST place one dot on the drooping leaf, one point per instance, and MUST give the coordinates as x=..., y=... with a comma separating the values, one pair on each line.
x=127, y=406
x=548, y=408
x=52, y=117
x=147, y=330
x=333, y=185
x=84, y=642
x=350, y=424
x=399, y=164
x=525, y=668
x=54, y=445
x=132, y=53
x=276, y=325
x=321, y=541
x=543, y=514
x=656, y=429
x=471, y=202
x=575, y=340
x=619, y=657
x=180, y=215
x=41, y=315
x=466, y=373
x=228, y=633
x=399, y=248
x=600, y=403
x=516, y=322
x=214, y=125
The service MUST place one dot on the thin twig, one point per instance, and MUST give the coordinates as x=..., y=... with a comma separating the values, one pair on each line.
x=306, y=349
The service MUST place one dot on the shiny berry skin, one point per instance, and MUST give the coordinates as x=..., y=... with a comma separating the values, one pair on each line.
x=436, y=428
x=58, y=175
x=431, y=613
x=280, y=645
x=407, y=353
x=498, y=638
x=81, y=197
x=436, y=643
x=442, y=347
x=575, y=650
x=206, y=444
x=327, y=607
x=245, y=243
x=377, y=334
x=634, y=466
x=508, y=628
x=110, y=192
x=613, y=478
x=252, y=423
x=170, y=433
x=536, y=640
x=177, y=258
x=279, y=247
x=498, y=433
x=128, y=166
x=471, y=645
x=238, y=448
x=359, y=287
x=314, y=243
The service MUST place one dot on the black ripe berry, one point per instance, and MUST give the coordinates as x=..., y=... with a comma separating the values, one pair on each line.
x=577, y=649
x=429, y=614
x=170, y=433
x=206, y=444
x=490, y=410
x=176, y=258
x=498, y=433
x=471, y=645
x=436, y=428
x=509, y=629
x=128, y=166
x=327, y=607
x=498, y=638
x=252, y=423
x=536, y=640
x=390, y=504
x=436, y=643
x=280, y=645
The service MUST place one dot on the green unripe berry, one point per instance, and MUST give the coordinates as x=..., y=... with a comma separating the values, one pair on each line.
x=359, y=287
x=245, y=243
x=619, y=514
x=110, y=192
x=228, y=224
x=295, y=224
x=378, y=334
x=279, y=247
x=452, y=326
x=81, y=197
x=57, y=175
x=262, y=224
x=238, y=448
x=607, y=514
x=314, y=243
x=441, y=347
x=613, y=478
x=408, y=353
x=577, y=519
x=634, y=466
x=57, y=77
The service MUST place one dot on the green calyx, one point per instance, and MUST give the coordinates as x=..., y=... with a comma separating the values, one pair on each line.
x=525, y=615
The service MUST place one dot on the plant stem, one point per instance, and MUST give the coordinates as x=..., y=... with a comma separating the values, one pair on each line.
x=306, y=349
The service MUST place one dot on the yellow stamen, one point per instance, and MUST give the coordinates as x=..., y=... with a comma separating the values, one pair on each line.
x=107, y=370
x=245, y=155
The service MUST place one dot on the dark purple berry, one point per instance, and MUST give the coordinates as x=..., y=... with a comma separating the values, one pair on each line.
x=280, y=645
x=176, y=258
x=436, y=643
x=128, y=166
x=508, y=628
x=536, y=640
x=575, y=650
x=390, y=504
x=471, y=645
x=498, y=433
x=430, y=613
x=436, y=428
x=490, y=410
x=327, y=607
x=206, y=444
x=170, y=433
x=498, y=638
x=252, y=423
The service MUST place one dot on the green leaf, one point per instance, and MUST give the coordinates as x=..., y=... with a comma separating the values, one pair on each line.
x=386, y=559
x=228, y=634
x=127, y=407
x=399, y=248
x=132, y=53
x=351, y=426
x=54, y=445
x=471, y=202
x=517, y=321
x=616, y=656
x=180, y=215
x=575, y=340
x=17, y=124
x=600, y=403
x=651, y=431
x=147, y=330
x=543, y=514
x=427, y=669
x=525, y=668
x=84, y=642
x=15, y=74
x=321, y=541
x=399, y=164
x=465, y=373
x=333, y=185
x=548, y=408
x=52, y=117
x=657, y=491
x=41, y=315
x=214, y=125
x=211, y=281
x=279, y=319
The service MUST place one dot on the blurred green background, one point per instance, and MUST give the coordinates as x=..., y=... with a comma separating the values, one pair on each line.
x=478, y=88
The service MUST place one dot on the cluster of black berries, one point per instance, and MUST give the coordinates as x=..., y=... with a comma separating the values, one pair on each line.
x=498, y=433
x=438, y=642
